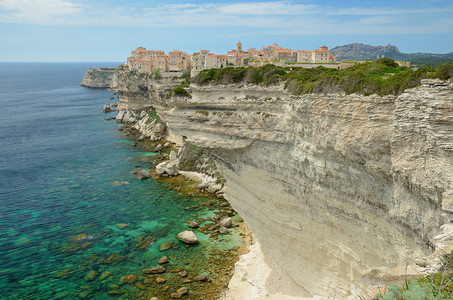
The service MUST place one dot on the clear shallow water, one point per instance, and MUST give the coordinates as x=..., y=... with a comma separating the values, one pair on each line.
x=59, y=206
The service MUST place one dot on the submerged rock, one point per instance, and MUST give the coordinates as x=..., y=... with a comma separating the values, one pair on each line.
x=163, y=260
x=182, y=273
x=90, y=275
x=160, y=279
x=116, y=292
x=104, y=275
x=183, y=290
x=122, y=225
x=193, y=224
x=166, y=246
x=223, y=230
x=144, y=174
x=130, y=278
x=156, y=270
x=187, y=237
x=200, y=278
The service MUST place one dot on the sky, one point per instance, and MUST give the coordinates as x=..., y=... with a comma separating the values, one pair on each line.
x=107, y=30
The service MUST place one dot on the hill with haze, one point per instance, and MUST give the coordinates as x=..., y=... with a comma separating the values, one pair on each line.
x=358, y=51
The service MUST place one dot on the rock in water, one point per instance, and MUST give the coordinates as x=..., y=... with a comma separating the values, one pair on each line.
x=166, y=246
x=200, y=278
x=107, y=108
x=187, y=237
x=226, y=222
x=156, y=270
x=223, y=230
x=182, y=290
x=193, y=224
x=163, y=260
x=130, y=278
x=144, y=174
x=90, y=275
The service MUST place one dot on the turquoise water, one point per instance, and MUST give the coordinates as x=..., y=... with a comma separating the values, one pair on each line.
x=66, y=184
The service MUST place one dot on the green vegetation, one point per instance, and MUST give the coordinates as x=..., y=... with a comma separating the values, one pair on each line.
x=186, y=74
x=382, y=77
x=437, y=286
x=178, y=91
x=203, y=112
x=424, y=62
x=157, y=74
x=154, y=115
x=197, y=159
x=101, y=74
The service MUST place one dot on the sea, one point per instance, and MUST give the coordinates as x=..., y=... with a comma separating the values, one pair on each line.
x=74, y=222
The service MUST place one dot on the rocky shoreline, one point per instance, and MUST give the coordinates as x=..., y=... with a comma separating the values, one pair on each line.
x=145, y=130
x=328, y=173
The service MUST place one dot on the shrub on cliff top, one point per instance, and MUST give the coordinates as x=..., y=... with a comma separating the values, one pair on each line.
x=382, y=77
x=445, y=71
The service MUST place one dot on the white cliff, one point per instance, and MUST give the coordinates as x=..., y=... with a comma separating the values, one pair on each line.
x=331, y=185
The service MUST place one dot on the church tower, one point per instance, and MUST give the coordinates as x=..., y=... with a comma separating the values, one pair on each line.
x=239, y=46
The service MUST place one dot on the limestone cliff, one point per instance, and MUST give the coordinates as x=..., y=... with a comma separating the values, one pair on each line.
x=331, y=185
x=99, y=78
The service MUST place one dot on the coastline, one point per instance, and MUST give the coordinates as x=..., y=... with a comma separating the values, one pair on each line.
x=188, y=183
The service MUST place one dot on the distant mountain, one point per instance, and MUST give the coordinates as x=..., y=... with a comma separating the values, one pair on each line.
x=359, y=51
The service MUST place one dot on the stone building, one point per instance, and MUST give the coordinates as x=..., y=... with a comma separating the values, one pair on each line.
x=177, y=61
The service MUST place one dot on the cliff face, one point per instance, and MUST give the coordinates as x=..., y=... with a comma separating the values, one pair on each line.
x=99, y=77
x=137, y=91
x=331, y=185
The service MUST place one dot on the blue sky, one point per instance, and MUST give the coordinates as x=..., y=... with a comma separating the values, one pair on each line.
x=107, y=30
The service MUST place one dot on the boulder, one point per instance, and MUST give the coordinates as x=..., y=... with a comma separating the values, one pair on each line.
x=169, y=167
x=182, y=273
x=130, y=278
x=107, y=108
x=163, y=260
x=156, y=270
x=226, y=222
x=183, y=290
x=166, y=246
x=200, y=278
x=120, y=115
x=160, y=279
x=144, y=174
x=213, y=188
x=187, y=237
x=193, y=224
x=203, y=185
x=176, y=295
x=223, y=230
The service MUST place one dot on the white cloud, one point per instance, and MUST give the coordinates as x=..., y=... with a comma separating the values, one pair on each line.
x=35, y=11
x=276, y=17
x=362, y=11
x=266, y=8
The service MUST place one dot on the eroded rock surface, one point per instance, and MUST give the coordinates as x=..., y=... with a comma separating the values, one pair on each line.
x=332, y=185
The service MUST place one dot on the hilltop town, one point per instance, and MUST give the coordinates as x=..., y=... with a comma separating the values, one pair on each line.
x=147, y=61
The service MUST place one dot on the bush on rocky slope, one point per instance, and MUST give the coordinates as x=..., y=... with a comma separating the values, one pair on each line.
x=382, y=77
